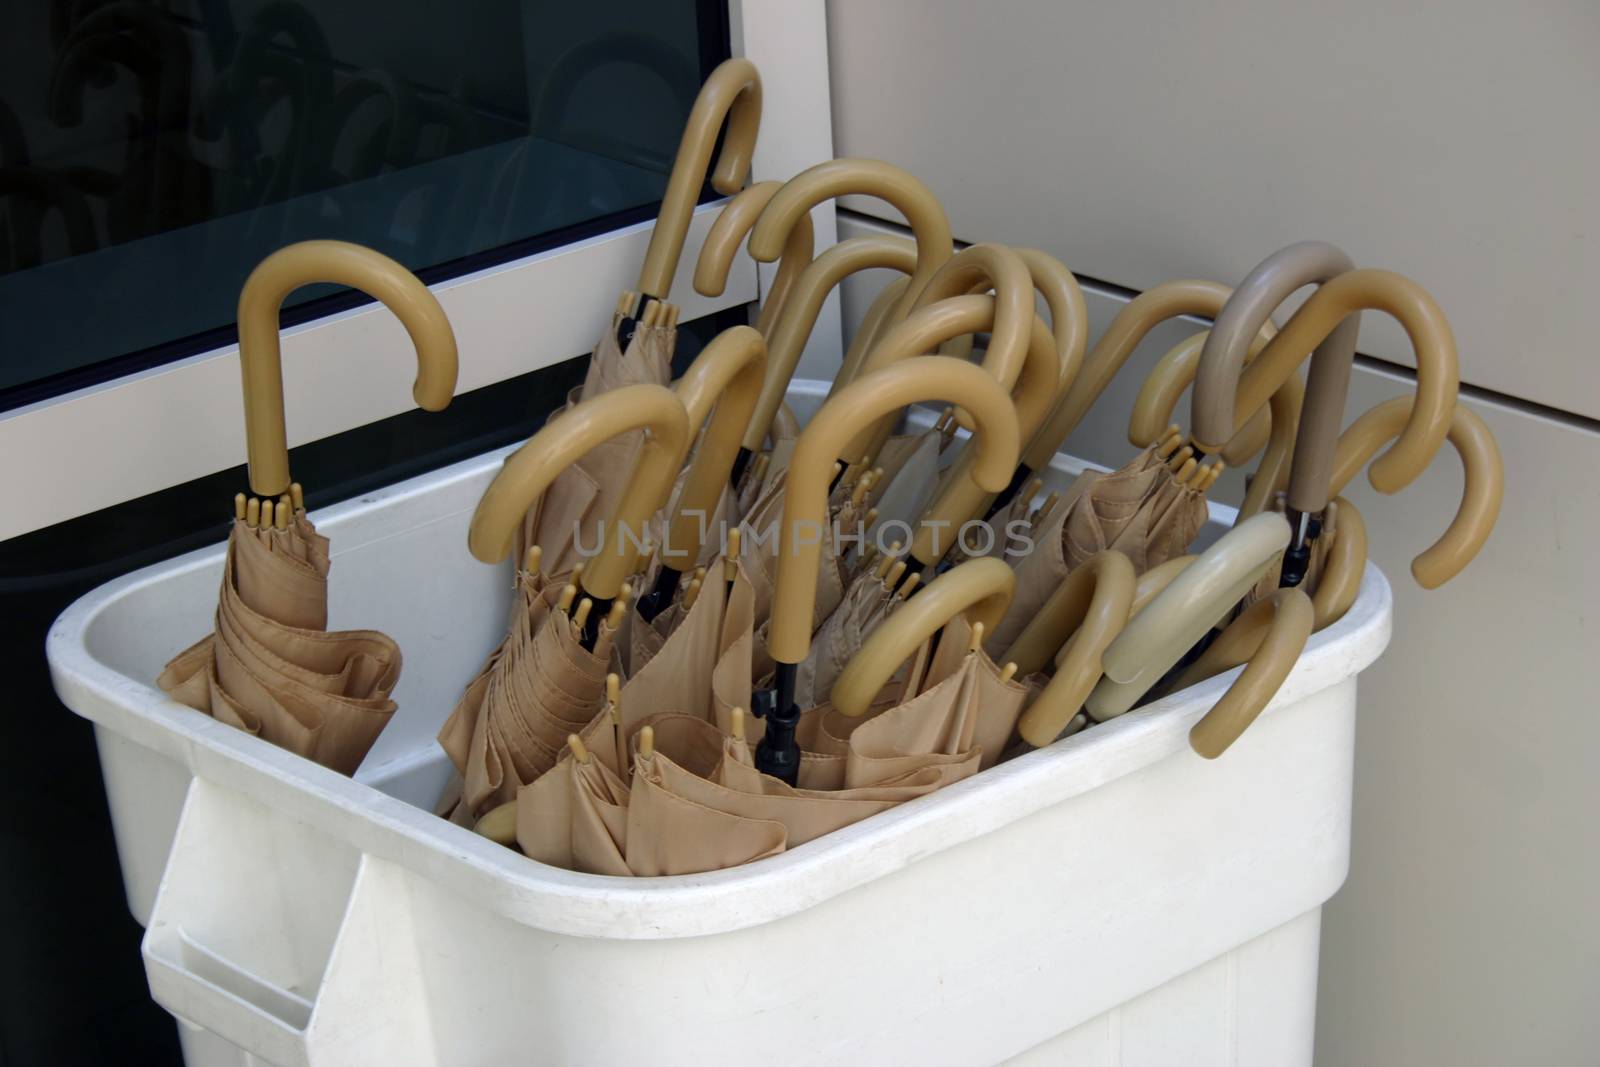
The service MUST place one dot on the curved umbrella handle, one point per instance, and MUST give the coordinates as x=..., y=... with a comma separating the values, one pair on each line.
x=980, y=588
x=1069, y=315
x=1261, y=678
x=1343, y=565
x=1438, y=380
x=811, y=289
x=530, y=470
x=1483, y=487
x=1164, y=386
x=1218, y=397
x=1180, y=614
x=1154, y=580
x=961, y=498
x=1080, y=620
x=867, y=177
x=726, y=375
x=1277, y=423
x=873, y=323
x=261, y=361
x=733, y=224
x=1141, y=315
x=805, y=505
x=733, y=92
x=996, y=267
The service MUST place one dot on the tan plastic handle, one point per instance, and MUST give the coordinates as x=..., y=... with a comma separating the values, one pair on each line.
x=1080, y=620
x=805, y=506
x=1164, y=386
x=804, y=304
x=1141, y=315
x=867, y=177
x=1069, y=315
x=1261, y=678
x=961, y=498
x=1483, y=487
x=1158, y=636
x=529, y=471
x=733, y=224
x=1318, y=324
x=726, y=376
x=1005, y=272
x=261, y=361
x=1277, y=423
x=733, y=92
x=980, y=588
x=1339, y=582
x=873, y=323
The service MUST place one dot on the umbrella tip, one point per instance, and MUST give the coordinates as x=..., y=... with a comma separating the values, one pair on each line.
x=297, y=494
x=580, y=751
x=281, y=516
x=647, y=742
x=581, y=616
x=532, y=558
x=564, y=602
x=1008, y=672
x=238, y=507
x=252, y=513
x=737, y=724
x=977, y=637
x=613, y=690
x=910, y=586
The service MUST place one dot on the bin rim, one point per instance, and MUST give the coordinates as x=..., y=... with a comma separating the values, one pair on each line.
x=597, y=906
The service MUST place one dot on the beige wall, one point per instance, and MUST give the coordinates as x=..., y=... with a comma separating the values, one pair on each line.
x=1455, y=143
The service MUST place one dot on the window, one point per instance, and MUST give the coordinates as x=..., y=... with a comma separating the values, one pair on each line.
x=152, y=152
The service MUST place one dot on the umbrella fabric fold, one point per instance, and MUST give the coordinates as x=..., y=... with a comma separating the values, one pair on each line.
x=540, y=685
x=271, y=667
x=318, y=693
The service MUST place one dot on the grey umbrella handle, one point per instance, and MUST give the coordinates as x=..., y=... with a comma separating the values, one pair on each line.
x=1222, y=359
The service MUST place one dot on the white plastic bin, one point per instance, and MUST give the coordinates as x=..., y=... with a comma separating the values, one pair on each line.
x=1113, y=893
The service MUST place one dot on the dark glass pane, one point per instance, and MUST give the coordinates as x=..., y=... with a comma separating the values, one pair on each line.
x=152, y=151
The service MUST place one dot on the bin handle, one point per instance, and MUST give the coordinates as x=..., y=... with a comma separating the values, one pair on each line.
x=979, y=588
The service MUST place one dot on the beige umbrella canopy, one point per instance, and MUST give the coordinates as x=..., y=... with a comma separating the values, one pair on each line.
x=637, y=345
x=547, y=679
x=967, y=710
x=272, y=667
x=800, y=533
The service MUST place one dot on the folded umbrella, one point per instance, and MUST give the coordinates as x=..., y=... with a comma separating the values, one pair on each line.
x=557, y=684
x=271, y=667
x=637, y=345
x=799, y=535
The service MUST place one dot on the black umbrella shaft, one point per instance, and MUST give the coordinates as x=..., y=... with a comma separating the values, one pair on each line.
x=778, y=754
x=659, y=598
x=740, y=461
x=1297, y=557
x=1018, y=479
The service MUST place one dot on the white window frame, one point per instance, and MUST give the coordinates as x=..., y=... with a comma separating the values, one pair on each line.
x=90, y=449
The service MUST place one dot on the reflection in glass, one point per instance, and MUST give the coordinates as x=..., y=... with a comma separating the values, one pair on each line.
x=151, y=151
